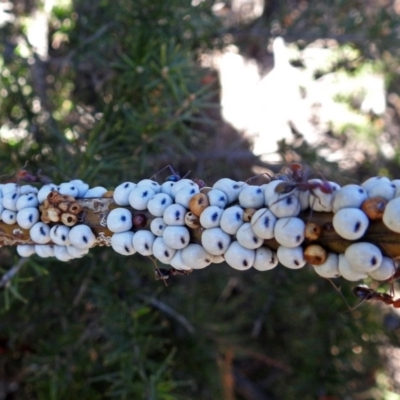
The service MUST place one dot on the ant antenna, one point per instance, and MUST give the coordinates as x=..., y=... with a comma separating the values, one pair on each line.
x=158, y=273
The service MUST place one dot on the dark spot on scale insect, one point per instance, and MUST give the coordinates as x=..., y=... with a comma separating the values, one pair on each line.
x=85, y=239
x=266, y=222
x=298, y=238
x=214, y=217
x=63, y=238
x=236, y=186
x=14, y=196
x=238, y=216
x=296, y=263
x=166, y=253
x=41, y=230
x=163, y=201
x=193, y=191
x=30, y=198
x=245, y=263
x=126, y=248
x=255, y=239
x=30, y=218
x=183, y=241
x=222, y=198
x=357, y=226
x=361, y=191
x=374, y=261
x=145, y=193
x=123, y=218
x=126, y=185
x=147, y=247
x=259, y=191
x=272, y=260
x=289, y=200
x=220, y=245
x=177, y=215
x=207, y=260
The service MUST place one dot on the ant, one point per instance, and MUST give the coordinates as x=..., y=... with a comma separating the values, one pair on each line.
x=164, y=274
x=295, y=177
x=170, y=178
x=366, y=293
x=24, y=176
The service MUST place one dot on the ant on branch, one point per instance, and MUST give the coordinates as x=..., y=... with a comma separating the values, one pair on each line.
x=24, y=176
x=164, y=274
x=295, y=176
x=366, y=293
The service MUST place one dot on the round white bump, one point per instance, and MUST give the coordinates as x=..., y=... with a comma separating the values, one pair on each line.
x=263, y=223
x=122, y=243
x=184, y=195
x=44, y=250
x=140, y=196
x=320, y=201
x=287, y=205
x=68, y=189
x=174, y=215
x=159, y=203
x=371, y=182
x=119, y=220
x=350, y=223
x=391, y=215
x=143, y=242
x=349, y=196
x=384, y=189
x=121, y=193
x=161, y=251
x=27, y=217
x=238, y=257
x=291, y=257
x=61, y=253
x=180, y=184
x=155, y=186
x=166, y=188
x=229, y=187
x=232, y=219
x=25, y=189
x=177, y=262
x=265, y=259
x=215, y=241
x=25, y=250
x=247, y=238
x=251, y=197
x=9, y=217
x=74, y=252
x=385, y=270
x=363, y=257
x=10, y=200
x=82, y=237
x=289, y=232
x=44, y=192
x=9, y=187
x=330, y=268
x=59, y=234
x=196, y=257
x=157, y=226
x=348, y=272
x=82, y=187
x=27, y=200
x=97, y=191
x=176, y=237
x=217, y=198
x=40, y=233
x=211, y=217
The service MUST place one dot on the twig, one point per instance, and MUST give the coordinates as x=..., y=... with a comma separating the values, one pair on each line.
x=6, y=278
x=169, y=311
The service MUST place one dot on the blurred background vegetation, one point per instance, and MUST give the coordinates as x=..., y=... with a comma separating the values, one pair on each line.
x=110, y=91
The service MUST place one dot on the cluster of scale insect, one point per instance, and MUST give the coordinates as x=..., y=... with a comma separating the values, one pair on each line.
x=235, y=220
x=56, y=239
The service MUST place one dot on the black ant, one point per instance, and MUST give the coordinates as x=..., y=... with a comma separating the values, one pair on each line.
x=164, y=274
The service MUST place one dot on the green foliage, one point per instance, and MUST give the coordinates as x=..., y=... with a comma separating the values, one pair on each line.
x=121, y=95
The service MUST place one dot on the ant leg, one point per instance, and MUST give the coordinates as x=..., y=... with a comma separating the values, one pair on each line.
x=163, y=169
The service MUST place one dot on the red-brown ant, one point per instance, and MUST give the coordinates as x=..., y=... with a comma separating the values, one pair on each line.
x=297, y=178
x=366, y=293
